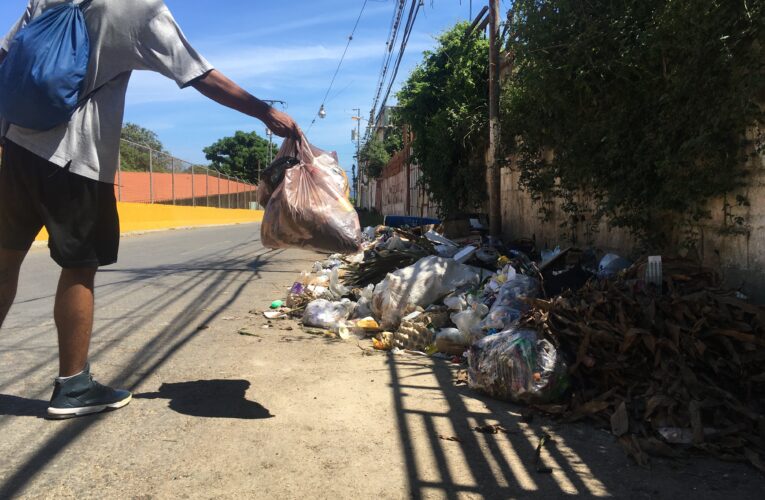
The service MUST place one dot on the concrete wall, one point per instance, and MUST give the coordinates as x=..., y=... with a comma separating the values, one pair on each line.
x=388, y=194
x=737, y=251
x=136, y=217
x=524, y=218
x=392, y=187
x=162, y=187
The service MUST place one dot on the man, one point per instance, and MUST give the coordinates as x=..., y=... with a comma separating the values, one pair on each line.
x=63, y=178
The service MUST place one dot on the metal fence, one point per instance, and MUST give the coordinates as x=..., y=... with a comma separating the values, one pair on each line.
x=149, y=176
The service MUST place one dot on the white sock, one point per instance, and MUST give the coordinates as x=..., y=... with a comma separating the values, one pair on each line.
x=61, y=380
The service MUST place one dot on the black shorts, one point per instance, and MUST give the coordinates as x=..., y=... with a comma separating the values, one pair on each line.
x=80, y=214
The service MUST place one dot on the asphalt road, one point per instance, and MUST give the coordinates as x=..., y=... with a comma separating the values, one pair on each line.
x=277, y=413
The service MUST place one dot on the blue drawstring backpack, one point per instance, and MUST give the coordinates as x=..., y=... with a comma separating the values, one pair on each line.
x=42, y=76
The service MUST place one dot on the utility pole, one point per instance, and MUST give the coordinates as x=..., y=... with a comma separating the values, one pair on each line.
x=270, y=134
x=357, y=117
x=493, y=178
x=258, y=164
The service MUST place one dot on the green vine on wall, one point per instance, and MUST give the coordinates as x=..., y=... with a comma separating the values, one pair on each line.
x=377, y=152
x=445, y=102
x=643, y=104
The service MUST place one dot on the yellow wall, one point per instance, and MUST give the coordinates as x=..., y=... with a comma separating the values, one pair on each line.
x=143, y=217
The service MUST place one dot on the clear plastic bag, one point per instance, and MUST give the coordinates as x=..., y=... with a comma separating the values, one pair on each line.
x=516, y=365
x=325, y=314
x=511, y=293
x=467, y=322
x=501, y=318
x=310, y=208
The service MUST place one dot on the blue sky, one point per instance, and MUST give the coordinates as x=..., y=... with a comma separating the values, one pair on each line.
x=284, y=50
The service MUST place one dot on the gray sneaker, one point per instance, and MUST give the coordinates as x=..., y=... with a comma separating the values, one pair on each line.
x=81, y=395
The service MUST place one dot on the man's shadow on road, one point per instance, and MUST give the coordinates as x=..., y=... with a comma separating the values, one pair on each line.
x=210, y=399
x=22, y=407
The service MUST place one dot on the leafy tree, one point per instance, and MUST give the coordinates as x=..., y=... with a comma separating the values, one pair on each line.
x=140, y=135
x=374, y=157
x=643, y=105
x=134, y=157
x=377, y=152
x=445, y=102
x=394, y=140
x=244, y=155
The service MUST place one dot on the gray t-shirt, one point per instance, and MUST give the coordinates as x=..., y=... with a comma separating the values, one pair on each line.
x=124, y=36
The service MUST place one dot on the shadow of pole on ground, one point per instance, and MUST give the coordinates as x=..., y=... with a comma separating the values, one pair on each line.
x=445, y=457
x=161, y=348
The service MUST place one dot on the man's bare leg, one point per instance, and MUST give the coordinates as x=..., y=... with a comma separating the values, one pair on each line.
x=75, y=393
x=10, y=263
x=73, y=313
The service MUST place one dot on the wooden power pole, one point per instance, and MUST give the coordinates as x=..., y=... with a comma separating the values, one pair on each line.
x=493, y=178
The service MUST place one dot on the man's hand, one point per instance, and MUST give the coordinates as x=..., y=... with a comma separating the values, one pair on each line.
x=282, y=124
x=222, y=90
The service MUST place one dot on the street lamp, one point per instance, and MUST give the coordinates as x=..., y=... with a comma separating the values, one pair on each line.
x=322, y=112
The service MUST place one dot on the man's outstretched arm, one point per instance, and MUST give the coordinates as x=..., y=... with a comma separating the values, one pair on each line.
x=222, y=90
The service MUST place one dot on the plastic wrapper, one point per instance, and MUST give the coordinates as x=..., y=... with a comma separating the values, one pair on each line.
x=453, y=335
x=456, y=302
x=612, y=264
x=325, y=314
x=512, y=293
x=501, y=318
x=469, y=321
x=310, y=208
x=364, y=305
x=451, y=341
x=516, y=365
x=337, y=289
x=422, y=284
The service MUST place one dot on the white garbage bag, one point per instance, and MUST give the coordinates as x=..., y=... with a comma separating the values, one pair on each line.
x=421, y=284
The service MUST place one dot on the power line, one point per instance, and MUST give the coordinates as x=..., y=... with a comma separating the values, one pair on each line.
x=412, y=17
x=398, y=13
x=339, y=65
x=405, y=40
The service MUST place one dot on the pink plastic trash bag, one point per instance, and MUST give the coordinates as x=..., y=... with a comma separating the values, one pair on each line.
x=309, y=208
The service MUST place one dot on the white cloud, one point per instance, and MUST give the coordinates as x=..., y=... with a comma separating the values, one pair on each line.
x=284, y=29
x=306, y=68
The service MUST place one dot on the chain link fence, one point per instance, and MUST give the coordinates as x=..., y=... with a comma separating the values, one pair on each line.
x=149, y=176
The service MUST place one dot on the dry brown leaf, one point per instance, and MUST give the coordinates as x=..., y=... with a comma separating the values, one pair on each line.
x=620, y=421
x=632, y=447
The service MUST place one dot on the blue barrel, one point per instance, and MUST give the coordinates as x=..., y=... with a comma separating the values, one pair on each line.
x=403, y=221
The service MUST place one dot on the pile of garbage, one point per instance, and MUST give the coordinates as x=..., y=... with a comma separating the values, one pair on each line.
x=683, y=364
x=416, y=290
x=660, y=355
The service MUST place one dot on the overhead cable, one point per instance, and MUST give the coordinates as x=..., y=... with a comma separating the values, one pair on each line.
x=340, y=64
